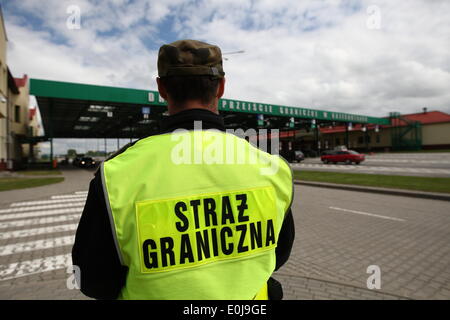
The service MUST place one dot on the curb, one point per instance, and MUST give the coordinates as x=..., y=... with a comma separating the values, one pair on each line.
x=394, y=192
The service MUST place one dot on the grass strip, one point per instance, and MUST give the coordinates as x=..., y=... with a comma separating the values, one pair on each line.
x=40, y=172
x=429, y=184
x=22, y=183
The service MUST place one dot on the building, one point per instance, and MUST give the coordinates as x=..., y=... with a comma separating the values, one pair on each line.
x=3, y=95
x=435, y=129
x=18, y=102
x=423, y=130
x=31, y=151
x=14, y=114
x=15, y=122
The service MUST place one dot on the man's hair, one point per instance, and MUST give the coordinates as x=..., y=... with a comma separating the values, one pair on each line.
x=184, y=88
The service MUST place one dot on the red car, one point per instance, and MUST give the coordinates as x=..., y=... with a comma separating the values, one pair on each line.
x=342, y=156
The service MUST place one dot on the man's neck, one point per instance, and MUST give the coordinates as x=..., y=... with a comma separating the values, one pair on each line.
x=174, y=109
x=188, y=119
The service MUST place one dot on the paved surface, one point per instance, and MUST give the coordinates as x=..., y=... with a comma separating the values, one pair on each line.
x=339, y=234
x=74, y=180
x=407, y=164
x=388, y=191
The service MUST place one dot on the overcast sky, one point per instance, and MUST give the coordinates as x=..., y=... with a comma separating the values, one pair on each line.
x=364, y=57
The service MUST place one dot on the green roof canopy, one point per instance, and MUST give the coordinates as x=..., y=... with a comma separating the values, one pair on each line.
x=74, y=110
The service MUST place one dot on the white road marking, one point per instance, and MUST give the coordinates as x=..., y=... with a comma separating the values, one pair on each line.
x=50, y=206
x=40, y=202
x=408, y=161
x=30, y=267
x=24, y=215
x=71, y=196
x=64, y=209
x=371, y=168
x=45, y=220
x=38, y=231
x=36, y=245
x=368, y=214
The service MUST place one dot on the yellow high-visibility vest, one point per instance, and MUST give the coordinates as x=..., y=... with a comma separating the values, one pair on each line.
x=196, y=215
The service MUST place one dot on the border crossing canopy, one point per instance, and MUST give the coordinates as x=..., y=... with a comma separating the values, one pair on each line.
x=75, y=110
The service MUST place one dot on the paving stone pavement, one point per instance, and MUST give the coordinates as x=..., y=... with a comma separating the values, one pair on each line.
x=340, y=233
x=74, y=180
x=409, y=239
x=301, y=288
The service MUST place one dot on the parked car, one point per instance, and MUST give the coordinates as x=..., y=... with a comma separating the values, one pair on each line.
x=76, y=161
x=293, y=156
x=310, y=153
x=348, y=157
x=86, y=162
x=299, y=156
x=328, y=152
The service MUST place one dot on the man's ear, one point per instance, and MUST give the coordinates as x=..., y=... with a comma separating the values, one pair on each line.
x=221, y=88
x=162, y=91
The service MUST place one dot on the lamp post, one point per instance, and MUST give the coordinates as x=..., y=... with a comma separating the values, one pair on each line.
x=232, y=52
x=348, y=127
x=366, y=137
x=4, y=99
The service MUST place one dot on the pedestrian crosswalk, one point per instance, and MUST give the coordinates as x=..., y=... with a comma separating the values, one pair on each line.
x=22, y=215
x=37, y=221
x=37, y=236
x=31, y=267
x=42, y=207
x=36, y=245
x=38, y=231
x=53, y=201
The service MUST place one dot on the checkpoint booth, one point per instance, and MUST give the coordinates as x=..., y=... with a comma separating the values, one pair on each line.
x=76, y=110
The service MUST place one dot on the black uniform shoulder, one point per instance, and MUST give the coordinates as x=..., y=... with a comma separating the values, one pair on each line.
x=115, y=154
x=121, y=150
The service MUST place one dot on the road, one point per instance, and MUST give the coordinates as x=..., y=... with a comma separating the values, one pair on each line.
x=339, y=234
x=408, y=164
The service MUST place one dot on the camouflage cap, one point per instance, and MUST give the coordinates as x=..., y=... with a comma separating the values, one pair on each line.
x=190, y=57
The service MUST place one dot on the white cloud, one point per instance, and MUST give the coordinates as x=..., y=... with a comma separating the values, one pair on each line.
x=312, y=53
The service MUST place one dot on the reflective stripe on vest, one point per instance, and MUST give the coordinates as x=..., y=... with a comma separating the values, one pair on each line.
x=190, y=229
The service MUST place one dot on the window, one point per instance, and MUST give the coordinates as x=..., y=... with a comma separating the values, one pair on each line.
x=378, y=139
x=17, y=114
x=338, y=142
x=361, y=140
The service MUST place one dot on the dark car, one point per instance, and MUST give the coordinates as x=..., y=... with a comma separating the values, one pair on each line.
x=348, y=156
x=328, y=152
x=299, y=156
x=76, y=161
x=292, y=156
x=86, y=162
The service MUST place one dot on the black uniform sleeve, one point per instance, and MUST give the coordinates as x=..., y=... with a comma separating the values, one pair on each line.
x=94, y=251
x=285, y=240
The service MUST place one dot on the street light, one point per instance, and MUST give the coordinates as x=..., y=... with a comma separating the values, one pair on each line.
x=366, y=136
x=232, y=52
